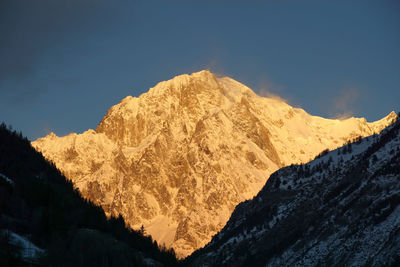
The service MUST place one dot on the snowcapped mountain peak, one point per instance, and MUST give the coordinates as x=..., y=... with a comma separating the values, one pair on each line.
x=181, y=83
x=204, y=74
x=180, y=157
x=390, y=118
x=51, y=135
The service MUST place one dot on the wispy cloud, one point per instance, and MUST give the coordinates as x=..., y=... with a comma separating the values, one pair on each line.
x=344, y=105
x=29, y=29
x=265, y=93
x=343, y=116
x=267, y=88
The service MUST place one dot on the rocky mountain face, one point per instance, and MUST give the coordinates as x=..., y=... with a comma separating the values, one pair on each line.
x=341, y=209
x=179, y=158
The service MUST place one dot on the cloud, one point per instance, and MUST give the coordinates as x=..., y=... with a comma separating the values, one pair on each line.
x=270, y=89
x=29, y=29
x=345, y=103
x=346, y=98
x=213, y=65
x=265, y=93
x=264, y=88
x=266, y=85
x=343, y=116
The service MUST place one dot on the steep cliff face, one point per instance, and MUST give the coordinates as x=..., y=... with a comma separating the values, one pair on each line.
x=180, y=157
x=341, y=209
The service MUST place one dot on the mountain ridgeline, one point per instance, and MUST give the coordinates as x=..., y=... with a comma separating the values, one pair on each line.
x=341, y=209
x=179, y=158
x=44, y=221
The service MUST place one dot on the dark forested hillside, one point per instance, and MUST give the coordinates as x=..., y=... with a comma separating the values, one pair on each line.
x=341, y=209
x=44, y=221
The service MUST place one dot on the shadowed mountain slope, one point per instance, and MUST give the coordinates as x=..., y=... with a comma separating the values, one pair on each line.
x=341, y=209
x=45, y=221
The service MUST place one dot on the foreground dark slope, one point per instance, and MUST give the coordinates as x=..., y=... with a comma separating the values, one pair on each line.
x=341, y=209
x=39, y=205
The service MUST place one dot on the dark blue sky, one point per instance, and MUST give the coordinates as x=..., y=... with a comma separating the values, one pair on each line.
x=63, y=63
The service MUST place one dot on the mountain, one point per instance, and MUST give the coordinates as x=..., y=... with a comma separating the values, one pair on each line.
x=179, y=158
x=45, y=222
x=341, y=209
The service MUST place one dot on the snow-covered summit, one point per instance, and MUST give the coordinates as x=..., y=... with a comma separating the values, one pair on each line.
x=181, y=82
x=201, y=82
x=180, y=157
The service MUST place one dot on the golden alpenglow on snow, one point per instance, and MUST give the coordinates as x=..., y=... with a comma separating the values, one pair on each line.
x=179, y=158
